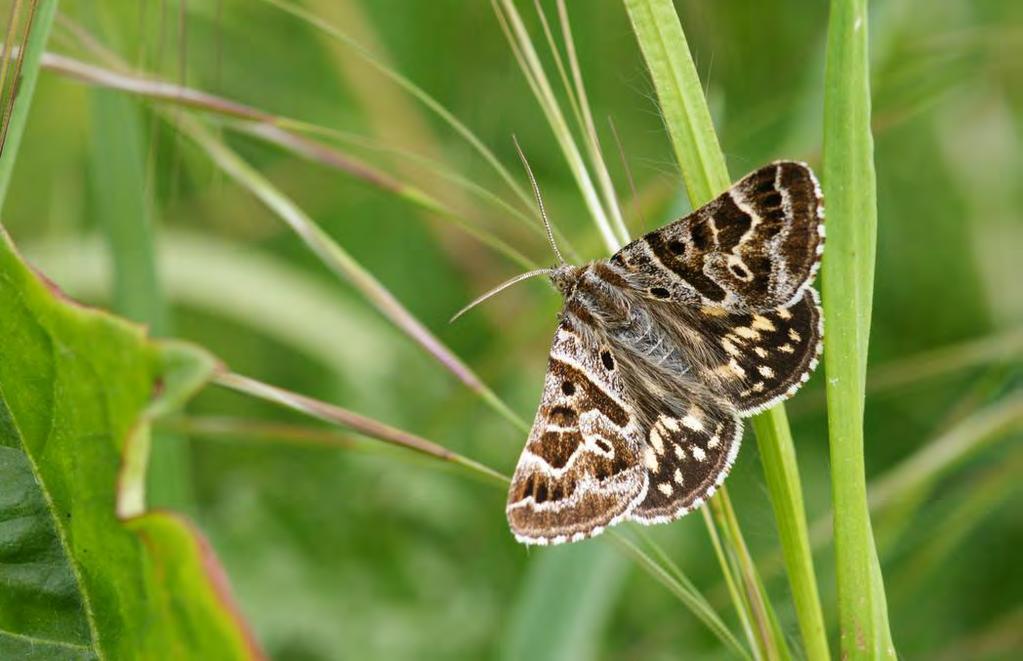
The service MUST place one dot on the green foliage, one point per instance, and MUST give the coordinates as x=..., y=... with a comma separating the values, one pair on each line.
x=77, y=391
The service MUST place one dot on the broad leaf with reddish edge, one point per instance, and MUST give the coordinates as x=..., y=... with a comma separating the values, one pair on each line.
x=85, y=571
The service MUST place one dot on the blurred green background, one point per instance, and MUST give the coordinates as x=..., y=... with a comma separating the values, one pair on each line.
x=369, y=553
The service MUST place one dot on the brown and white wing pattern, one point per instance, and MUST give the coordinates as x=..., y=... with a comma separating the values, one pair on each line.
x=581, y=469
x=755, y=247
x=763, y=358
x=660, y=353
x=687, y=458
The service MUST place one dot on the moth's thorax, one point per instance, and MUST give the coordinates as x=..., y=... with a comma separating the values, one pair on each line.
x=597, y=292
x=610, y=306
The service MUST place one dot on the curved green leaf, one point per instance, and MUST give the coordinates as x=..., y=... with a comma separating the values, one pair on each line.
x=78, y=389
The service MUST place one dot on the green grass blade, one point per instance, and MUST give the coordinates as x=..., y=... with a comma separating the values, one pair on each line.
x=896, y=496
x=768, y=634
x=667, y=573
x=545, y=625
x=680, y=96
x=391, y=115
x=781, y=471
x=848, y=274
x=123, y=211
x=219, y=278
x=417, y=92
x=918, y=473
x=742, y=609
x=591, y=141
x=333, y=158
x=350, y=420
x=985, y=494
x=562, y=612
x=287, y=133
x=117, y=182
x=340, y=262
x=122, y=206
x=688, y=121
x=529, y=61
x=26, y=85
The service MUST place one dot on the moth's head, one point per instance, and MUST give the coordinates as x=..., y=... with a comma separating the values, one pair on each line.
x=565, y=278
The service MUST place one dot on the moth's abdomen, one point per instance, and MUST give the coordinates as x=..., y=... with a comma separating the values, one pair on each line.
x=608, y=302
x=651, y=343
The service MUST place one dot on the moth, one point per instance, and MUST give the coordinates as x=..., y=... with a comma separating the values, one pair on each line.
x=661, y=351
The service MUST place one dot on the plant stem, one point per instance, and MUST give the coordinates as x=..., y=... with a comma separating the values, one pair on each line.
x=528, y=59
x=848, y=274
x=896, y=495
x=739, y=600
x=702, y=164
x=285, y=132
x=351, y=420
x=682, y=589
x=23, y=85
x=768, y=634
x=339, y=261
x=783, y=486
x=417, y=92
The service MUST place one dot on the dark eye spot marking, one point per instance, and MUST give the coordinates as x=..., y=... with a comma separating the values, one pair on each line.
x=541, y=493
x=603, y=445
x=563, y=416
x=660, y=292
x=568, y=388
x=677, y=247
x=772, y=200
x=609, y=362
x=527, y=488
x=702, y=235
x=740, y=271
x=601, y=472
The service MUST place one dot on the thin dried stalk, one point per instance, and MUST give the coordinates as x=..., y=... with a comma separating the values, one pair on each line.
x=351, y=420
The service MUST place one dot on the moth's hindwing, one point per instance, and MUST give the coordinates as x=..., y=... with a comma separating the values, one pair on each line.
x=765, y=356
x=752, y=248
x=687, y=458
x=580, y=470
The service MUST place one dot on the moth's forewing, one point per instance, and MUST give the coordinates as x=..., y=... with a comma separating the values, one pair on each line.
x=580, y=469
x=752, y=248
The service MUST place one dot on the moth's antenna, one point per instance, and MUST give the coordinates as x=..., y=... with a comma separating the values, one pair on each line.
x=498, y=289
x=539, y=201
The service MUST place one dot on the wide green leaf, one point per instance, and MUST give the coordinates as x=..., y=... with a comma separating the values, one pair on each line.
x=85, y=572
